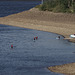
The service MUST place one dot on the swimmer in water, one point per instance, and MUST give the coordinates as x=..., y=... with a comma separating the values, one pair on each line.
x=11, y=46
x=36, y=38
x=59, y=37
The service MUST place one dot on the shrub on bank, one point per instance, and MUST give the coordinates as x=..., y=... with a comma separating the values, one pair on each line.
x=58, y=6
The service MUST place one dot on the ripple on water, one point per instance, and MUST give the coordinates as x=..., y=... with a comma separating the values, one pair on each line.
x=29, y=57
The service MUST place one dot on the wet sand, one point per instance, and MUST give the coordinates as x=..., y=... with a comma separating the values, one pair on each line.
x=60, y=23
x=66, y=69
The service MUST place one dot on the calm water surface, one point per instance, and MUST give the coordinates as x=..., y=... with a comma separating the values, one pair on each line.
x=29, y=57
x=12, y=7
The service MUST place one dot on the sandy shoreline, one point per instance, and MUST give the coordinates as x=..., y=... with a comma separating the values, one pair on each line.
x=66, y=69
x=63, y=24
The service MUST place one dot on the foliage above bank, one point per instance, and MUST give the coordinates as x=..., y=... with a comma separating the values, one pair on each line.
x=58, y=6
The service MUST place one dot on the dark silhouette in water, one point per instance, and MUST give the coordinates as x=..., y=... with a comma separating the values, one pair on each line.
x=59, y=37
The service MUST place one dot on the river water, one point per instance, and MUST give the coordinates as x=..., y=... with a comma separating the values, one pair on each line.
x=12, y=7
x=29, y=56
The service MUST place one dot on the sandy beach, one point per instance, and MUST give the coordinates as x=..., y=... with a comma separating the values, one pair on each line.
x=60, y=23
x=66, y=69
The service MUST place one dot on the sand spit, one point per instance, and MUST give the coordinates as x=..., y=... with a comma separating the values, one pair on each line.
x=60, y=23
x=66, y=69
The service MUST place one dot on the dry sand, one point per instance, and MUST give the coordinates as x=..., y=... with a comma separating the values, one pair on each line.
x=60, y=23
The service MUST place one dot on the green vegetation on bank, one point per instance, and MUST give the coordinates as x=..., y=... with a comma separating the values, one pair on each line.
x=58, y=6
